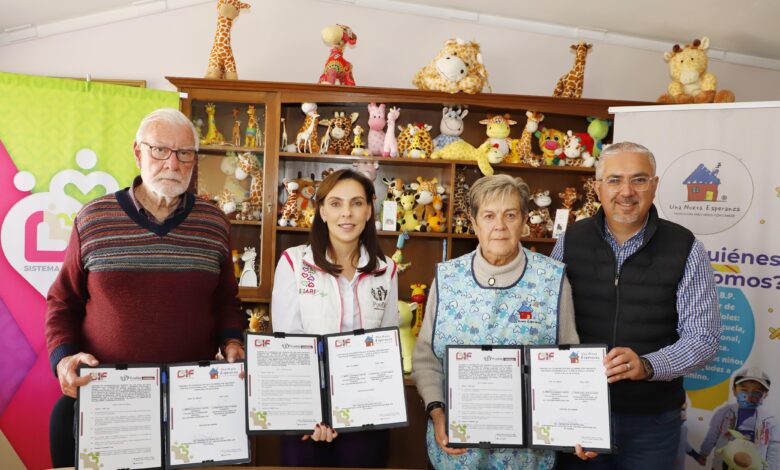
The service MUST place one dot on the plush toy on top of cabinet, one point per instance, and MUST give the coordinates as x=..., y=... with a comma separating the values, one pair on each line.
x=222, y=64
x=550, y=141
x=498, y=143
x=337, y=69
x=376, y=129
x=691, y=83
x=598, y=130
x=457, y=67
x=358, y=147
x=521, y=148
x=570, y=84
x=451, y=126
x=340, y=130
x=306, y=140
x=415, y=141
x=290, y=211
x=390, y=146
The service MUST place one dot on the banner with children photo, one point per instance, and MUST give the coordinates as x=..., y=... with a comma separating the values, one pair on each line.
x=62, y=143
x=719, y=170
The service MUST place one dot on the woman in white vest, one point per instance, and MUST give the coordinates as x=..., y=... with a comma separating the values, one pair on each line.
x=340, y=281
x=509, y=286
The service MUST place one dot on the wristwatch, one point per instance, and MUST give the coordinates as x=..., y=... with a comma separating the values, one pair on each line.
x=432, y=406
x=649, y=372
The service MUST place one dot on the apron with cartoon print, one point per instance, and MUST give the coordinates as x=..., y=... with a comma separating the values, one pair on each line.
x=469, y=314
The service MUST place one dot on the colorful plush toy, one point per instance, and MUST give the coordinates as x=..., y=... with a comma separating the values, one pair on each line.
x=358, y=147
x=460, y=203
x=437, y=221
x=415, y=141
x=340, y=129
x=425, y=190
x=222, y=64
x=337, y=69
x=451, y=126
x=462, y=150
x=498, y=143
x=740, y=453
x=570, y=84
x=405, y=320
x=258, y=319
x=521, y=148
x=376, y=126
x=541, y=198
x=691, y=83
x=591, y=205
x=576, y=149
x=458, y=67
x=598, y=130
x=408, y=220
x=418, y=296
x=213, y=136
x=398, y=255
x=390, y=147
x=550, y=141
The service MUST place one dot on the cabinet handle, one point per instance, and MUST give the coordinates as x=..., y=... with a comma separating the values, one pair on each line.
x=268, y=208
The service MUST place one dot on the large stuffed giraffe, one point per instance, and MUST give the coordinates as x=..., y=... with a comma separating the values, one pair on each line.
x=570, y=84
x=249, y=166
x=221, y=61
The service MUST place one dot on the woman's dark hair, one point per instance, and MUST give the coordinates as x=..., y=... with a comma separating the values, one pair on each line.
x=319, y=238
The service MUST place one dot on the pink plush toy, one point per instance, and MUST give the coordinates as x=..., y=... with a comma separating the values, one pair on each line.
x=376, y=125
x=390, y=149
x=337, y=69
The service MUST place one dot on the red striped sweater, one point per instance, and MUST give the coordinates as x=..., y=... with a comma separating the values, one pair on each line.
x=134, y=291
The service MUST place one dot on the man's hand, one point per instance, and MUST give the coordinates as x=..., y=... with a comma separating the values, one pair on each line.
x=580, y=452
x=234, y=350
x=68, y=375
x=322, y=432
x=440, y=434
x=622, y=364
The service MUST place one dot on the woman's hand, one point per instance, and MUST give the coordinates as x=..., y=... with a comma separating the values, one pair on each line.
x=322, y=432
x=440, y=434
x=580, y=452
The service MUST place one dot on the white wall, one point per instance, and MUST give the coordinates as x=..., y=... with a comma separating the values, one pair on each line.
x=279, y=40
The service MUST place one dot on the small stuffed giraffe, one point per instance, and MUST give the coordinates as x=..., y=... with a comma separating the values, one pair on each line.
x=251, y=127
x=249, y=166
x=522, y=149
x=290, y=211
x=390, y=147
x=221, y=61
x=213, y=136
x=570, y=84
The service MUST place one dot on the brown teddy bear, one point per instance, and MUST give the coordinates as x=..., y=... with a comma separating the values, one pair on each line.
x=691, y=83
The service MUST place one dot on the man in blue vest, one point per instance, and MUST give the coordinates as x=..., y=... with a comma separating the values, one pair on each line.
x=644, y=286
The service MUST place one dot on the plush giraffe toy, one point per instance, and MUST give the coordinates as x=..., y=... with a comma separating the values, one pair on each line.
x=221, y=61
x=337, y=69
x=249, y=166
x=570, y=84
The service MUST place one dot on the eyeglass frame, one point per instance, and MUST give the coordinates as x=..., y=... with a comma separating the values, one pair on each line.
x=630, y=181
x=171, y=152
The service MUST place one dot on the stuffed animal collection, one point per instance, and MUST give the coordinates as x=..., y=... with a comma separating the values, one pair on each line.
x=457, y=67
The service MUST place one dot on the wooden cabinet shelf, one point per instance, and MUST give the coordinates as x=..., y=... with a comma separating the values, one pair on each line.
x=222, y=149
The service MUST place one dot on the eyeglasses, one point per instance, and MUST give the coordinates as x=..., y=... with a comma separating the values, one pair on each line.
x=637, y=183
x=164, y=153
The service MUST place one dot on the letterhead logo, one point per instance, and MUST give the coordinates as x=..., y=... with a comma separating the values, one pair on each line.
x=98, y=375
x=707, y=191
x=262, y=343
x=342, y=343
x=185, y=373
x=574, y=358
x=462, y=355
x=545, y=356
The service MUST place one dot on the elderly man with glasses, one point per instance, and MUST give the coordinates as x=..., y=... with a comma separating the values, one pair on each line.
x=147, y=277
x=644, y=286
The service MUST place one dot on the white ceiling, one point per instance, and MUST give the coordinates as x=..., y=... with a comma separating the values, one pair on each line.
x=746, y=27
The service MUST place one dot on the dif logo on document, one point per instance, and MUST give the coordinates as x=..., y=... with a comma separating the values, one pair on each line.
x=262, y=343
x=185, y=373
x=462, y=356
x=342, y=343
x=546, y=356
x=98, y=375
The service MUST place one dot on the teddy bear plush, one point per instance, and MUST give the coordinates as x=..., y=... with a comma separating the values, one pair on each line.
x=691, y=83
x=458, y=67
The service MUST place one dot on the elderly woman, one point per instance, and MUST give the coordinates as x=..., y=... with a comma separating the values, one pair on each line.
x=463, y=308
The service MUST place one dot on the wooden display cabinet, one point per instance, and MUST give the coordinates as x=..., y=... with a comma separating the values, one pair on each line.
x=424, y=250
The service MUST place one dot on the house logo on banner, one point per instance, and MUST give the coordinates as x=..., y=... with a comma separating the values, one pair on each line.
x=706, y=190
x=40, y=223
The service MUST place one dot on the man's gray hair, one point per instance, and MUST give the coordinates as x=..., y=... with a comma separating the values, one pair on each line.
x=620, y=148
x=168, y=115
x=489, y=188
